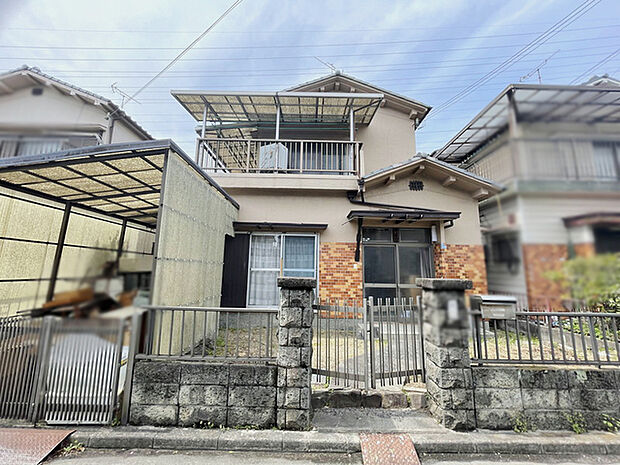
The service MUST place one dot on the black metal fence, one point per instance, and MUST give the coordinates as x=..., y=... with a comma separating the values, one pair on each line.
x=547, y=338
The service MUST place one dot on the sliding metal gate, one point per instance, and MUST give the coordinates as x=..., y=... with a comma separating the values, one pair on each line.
x=63, y=371
x=377, y=342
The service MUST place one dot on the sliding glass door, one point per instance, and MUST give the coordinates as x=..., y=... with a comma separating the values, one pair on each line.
x=393, y=259
x=273, y=255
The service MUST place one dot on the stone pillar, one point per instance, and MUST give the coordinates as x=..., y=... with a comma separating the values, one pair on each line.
x=446, y=347
x=294, y=352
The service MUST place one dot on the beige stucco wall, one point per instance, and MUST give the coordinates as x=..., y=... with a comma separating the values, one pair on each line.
x=389, y=139
x=24, y=113
x=331, y=208
x=466, y=229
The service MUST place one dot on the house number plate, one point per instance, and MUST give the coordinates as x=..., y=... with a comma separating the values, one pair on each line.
x=499, y=312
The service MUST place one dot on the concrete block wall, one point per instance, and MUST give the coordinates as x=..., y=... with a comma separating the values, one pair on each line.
x=203, y=394
x=544, y=397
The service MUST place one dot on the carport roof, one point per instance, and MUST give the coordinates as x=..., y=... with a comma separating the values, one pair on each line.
x=118, y=180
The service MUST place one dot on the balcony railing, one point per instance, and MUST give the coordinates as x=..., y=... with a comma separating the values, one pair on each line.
x=229, y=155
x=550, y=160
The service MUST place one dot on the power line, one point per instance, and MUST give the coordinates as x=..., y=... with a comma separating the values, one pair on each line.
x=602, y=62
x=285, y=46
x=188, y=48
x=297, y=57
x=552, y=31
x=245, y=31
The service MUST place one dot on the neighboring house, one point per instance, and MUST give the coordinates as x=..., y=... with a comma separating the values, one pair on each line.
x=328, y=187
x=41, y=114
x=556, y=149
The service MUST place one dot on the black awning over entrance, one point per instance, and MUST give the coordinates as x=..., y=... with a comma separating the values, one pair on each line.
x=400, y=216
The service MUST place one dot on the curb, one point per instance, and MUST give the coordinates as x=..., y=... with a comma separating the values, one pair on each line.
x=337, y=442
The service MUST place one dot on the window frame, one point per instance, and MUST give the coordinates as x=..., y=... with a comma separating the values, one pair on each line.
x=280, y=269
x=396, y=244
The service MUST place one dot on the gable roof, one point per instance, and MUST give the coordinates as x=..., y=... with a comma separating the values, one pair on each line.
x=27, y=76
x=604, y=80
x=479, y=187
x=340, y=82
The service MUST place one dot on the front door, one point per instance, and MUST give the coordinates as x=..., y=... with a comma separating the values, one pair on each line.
x=393, y=259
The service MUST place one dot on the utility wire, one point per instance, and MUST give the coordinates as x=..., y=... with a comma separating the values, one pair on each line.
x=600, y=63
x=188, y=48
x=531, y=46
x=275, y=46
x=296, y=57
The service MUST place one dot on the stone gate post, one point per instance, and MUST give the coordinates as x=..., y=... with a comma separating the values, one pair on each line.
x=446, y=347
x=294, y=352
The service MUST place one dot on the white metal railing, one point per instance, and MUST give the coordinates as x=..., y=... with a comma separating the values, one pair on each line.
x=232, y=155
x=549, y=159
x=15, y=146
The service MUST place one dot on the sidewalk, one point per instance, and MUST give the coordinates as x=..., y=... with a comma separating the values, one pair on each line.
x=337, y=430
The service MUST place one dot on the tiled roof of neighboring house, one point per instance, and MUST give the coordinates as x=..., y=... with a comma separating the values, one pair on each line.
x=364, y=86
x=40, y=77
x=604, y=80
x=424, y=157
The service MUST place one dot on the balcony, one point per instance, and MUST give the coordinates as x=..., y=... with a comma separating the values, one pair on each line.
x=537, y=159
x=285, y=156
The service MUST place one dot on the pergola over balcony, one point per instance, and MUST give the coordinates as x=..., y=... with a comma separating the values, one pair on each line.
x=233, y=125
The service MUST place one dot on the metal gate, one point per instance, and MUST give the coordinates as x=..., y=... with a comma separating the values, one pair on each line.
x=63, y=371
x=377, y=342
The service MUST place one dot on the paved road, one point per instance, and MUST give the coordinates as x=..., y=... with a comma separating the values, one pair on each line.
x=136, y=457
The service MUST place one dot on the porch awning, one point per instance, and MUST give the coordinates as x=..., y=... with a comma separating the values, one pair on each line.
x=596, y=218
x=295, y=107
x=280, y=227
x=118, y=180
x=400, y=216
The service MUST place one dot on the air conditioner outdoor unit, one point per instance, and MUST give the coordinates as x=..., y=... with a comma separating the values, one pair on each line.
x=273, y=157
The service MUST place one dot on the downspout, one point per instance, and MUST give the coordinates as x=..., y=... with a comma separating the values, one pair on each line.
x=110, y=128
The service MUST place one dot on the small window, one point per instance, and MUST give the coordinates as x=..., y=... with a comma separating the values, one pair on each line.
x=377, y=234
x=37, y=91
x=604, y=160
x=421, y=236
x=505, y=249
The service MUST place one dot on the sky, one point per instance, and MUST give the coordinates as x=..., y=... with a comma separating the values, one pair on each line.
x=429, y=50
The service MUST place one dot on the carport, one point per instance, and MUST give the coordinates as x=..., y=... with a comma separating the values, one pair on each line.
x=64, y=214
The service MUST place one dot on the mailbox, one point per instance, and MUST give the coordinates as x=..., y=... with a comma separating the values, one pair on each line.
x=495, y=307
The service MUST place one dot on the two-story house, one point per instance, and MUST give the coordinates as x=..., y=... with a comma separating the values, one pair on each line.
x=329, y=187
x=556, y=149
x=40, y=114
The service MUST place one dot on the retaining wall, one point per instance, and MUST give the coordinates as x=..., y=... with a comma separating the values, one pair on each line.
x=203, y=394
x=545, y=398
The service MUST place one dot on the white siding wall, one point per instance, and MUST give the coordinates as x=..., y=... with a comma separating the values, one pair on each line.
x=542, y=215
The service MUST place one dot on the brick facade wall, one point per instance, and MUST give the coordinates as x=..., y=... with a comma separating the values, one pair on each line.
x=585, y=249
x=340, y=276
x=538, y=259
x=461, y=261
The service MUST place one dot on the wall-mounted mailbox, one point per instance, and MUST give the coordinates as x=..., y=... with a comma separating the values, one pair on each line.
x=495, y=307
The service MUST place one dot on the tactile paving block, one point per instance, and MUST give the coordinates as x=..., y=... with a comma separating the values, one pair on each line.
x=384, y=449
x=26, y=446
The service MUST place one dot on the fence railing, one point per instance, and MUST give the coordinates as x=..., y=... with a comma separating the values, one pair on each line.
x=547, y=338
x=194, y=333
x=339, y=344
x=234, y=155
x=61, y=370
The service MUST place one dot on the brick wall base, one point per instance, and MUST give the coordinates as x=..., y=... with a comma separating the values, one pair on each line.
x=538, y=259
x=461, y=261
x=340, y=276
x=585, y=249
